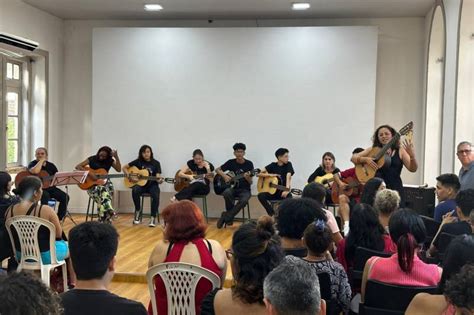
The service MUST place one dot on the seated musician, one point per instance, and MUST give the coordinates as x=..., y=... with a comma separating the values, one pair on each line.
x=105, y=158
x=283, y=169
x=41, y=163
x=146, y=161
x=241, y=189
x=197, y=186
x=328, y=166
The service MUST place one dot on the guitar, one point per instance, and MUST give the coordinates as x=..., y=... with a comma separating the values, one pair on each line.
x=325, y=180
x=180, y=182
x=270, y=185
x=364, y=172
x=46, y=179
x=142, y=177
x=101, y=178
x=220, y=184
x=353, y=188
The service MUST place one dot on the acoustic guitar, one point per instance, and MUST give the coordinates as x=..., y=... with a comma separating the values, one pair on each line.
x=180, y=182
x=46, y=179
x=325, y=180
x=364, y=172
x=142, y=176
x=353, y=188
x=270, y=185
x=220, y=184
x=101, y=176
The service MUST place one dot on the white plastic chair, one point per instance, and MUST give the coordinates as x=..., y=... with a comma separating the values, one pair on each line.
x=180, y=281
x=27, y=228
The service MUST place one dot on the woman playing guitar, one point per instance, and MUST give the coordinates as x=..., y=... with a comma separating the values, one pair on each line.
x=104, y=159
x=399, y=154
x=325, y=169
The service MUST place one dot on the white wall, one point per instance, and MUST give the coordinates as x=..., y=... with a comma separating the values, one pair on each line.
x=23, y=20
x=399, y=87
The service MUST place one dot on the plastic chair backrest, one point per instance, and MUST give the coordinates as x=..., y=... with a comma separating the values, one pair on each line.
x=180, y=281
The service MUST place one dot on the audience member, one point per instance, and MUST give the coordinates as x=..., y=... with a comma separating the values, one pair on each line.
x=386, y=202
x=255, y=251
x=371, y=188
x=447, y=187
x=466, y=157
x=6, y=200
x=93, y=248
x=184, y=241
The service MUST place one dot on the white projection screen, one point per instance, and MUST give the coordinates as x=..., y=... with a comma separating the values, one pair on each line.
x=308, y=89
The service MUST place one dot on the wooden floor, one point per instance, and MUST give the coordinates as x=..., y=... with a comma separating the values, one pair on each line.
x=135, y=246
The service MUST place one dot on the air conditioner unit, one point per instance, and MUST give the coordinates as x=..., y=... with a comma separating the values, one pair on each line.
x=17, y=41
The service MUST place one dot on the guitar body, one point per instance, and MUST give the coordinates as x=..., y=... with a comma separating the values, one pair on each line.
x=220, y=185
x=135, y=171
x=354, y=188
x=325, y=180
x=180, y=183
x=267, y=185
x=89, y=182
x=46, y=179
x=364, y=172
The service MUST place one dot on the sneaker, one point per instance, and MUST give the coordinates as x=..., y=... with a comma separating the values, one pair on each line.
x=152, y=222
x=136, y=219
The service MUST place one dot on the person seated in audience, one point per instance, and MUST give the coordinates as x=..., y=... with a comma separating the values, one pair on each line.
x=294, y=215
x=453, y=225
x=6, y=199
x=457, y=298
x=318, y=240
x=365, y=231
x=371, y=188
x=93, y=249
x=293, y=288
x=386, y=203
x=447, y=187
x=404, y=267
x=317, y=192
x=184, y=241
x=255, y=251
x=24, y=293
x=465, y=155
x=29, y=190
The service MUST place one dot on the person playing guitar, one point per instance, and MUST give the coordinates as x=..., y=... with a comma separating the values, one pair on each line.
x=145, y=160
x=197, y=186
x=283, y=170
x=326, y=168
x=240, y=190
x=41, y=163
x=105, y=158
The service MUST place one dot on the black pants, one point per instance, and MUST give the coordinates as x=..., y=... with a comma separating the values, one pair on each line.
x=233, y=208
x=59, y=195
x=151, y=188
x=265, y=197
x=192, y=190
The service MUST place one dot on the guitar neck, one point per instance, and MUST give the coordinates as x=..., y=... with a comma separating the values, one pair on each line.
x=110, y=176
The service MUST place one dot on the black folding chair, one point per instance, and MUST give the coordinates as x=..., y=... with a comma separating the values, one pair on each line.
x=363, y=254
x=332, y=307
x=432, y=228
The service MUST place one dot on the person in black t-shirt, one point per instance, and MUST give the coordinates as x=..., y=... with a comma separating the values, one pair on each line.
x=328, y=166
x=199, y=186
x=105, y=158
x=282, y=169
x=42, y=164
x=241, y=189
x=146, y=161
x=93, y=247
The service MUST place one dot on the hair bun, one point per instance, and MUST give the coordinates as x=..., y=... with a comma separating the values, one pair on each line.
x=265, y=227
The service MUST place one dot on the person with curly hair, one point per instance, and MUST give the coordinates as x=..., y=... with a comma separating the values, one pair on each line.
x=254, y=253
x=23, y=293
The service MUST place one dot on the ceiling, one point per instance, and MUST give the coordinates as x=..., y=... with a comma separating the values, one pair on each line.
x=226, y=9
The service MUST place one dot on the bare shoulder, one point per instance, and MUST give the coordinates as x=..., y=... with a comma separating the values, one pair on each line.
x=216, y=246
x=158, y=255
x=424, y=303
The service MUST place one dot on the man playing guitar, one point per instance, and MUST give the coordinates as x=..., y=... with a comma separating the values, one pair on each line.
x=240, y=190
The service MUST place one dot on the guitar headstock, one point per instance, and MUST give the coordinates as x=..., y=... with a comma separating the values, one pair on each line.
x=255, y=172
x=169, y=180
x=406, y=129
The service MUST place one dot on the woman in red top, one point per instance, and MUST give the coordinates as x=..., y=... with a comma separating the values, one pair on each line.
x=184, y=242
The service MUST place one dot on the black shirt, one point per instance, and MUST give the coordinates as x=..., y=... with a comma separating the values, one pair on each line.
x=95, y=163
x=49, y=167
x=199, y=170
x=320, y=172
x=455, y=228
x=274, y=168
x=97, y=302
x=239, y=168
x=152, y=166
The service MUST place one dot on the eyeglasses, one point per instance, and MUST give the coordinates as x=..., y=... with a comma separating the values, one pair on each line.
x=229, y=253
x=461, y=152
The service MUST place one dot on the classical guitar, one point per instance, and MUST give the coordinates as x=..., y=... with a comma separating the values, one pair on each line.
x=325, y=180
x=353, y=188
x=46, y=179
x=364, y=172
x=182, y=182
x=141, y=177
x=101, y=176
x=220, y=184
x=270, y=185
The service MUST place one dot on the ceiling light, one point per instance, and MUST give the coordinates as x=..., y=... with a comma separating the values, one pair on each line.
x=153, y=7
x=300, y=5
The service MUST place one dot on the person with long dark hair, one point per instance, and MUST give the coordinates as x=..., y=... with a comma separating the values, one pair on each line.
x=145, y=160
x=401, y=153
x=6, y=199
x=404, y=267
x=371, y=188
x=105, y=158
